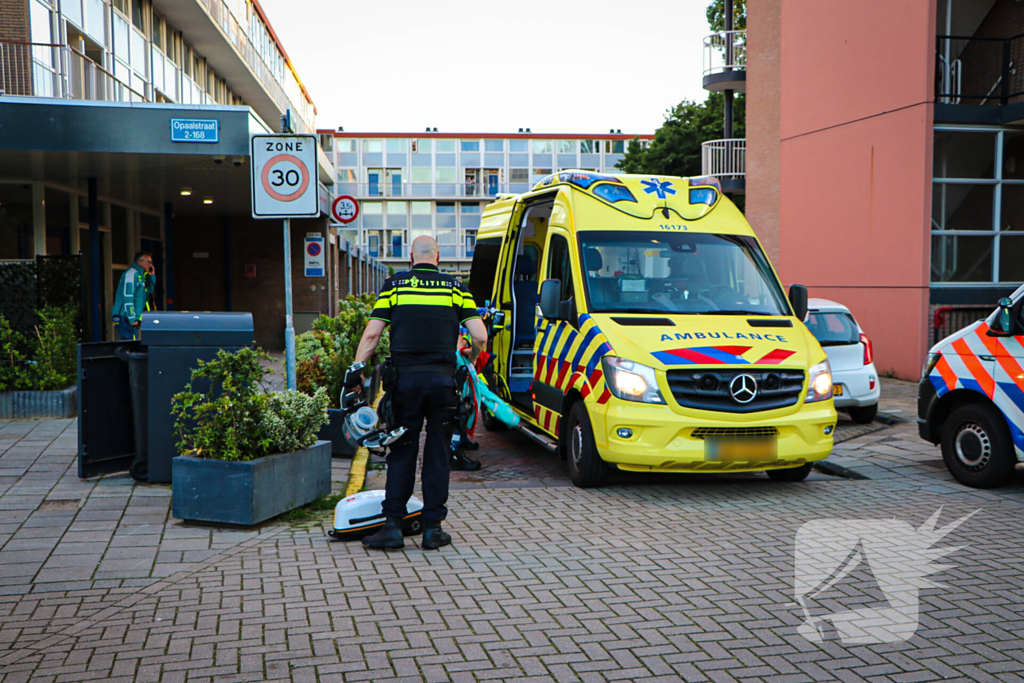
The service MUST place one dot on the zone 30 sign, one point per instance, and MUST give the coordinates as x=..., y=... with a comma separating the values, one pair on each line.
x=284, y=176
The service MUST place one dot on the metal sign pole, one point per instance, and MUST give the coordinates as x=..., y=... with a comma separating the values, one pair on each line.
x=289, y=328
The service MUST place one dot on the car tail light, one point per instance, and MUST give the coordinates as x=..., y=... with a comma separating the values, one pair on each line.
x=869, y=353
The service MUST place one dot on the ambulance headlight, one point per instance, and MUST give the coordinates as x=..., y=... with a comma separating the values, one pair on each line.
x=631, y=381
x=819, y=386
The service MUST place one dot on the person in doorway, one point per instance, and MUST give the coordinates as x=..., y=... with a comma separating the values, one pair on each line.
x=132, y=294
x=425, y=309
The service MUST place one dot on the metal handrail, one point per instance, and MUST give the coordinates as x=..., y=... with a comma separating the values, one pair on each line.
x=60, y=71
x=726, y=157
x=725, y=51
x=979, y=70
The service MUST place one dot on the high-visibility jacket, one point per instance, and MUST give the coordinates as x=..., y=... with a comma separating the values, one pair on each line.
x=131, y=295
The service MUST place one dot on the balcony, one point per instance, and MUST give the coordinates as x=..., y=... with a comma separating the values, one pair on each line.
x=725, y=61
x=727, y=161
x=45, y=70
x=979, y=71
x=488, y=191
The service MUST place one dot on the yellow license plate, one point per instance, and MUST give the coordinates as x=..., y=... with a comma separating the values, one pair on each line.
x=741, y=450
x=837, y=390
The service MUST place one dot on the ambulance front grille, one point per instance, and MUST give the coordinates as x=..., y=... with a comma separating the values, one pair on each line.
x=708, y=389
x=735, y=432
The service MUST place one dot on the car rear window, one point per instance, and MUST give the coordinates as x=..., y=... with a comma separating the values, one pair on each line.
x=831, y=329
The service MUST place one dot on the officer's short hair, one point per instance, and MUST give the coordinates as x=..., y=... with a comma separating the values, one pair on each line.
x=140, y=254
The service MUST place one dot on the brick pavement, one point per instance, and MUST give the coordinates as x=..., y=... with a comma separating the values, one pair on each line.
x=686, y=580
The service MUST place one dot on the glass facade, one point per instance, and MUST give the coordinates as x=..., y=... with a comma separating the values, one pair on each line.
x=977, y=206
x=410, y=186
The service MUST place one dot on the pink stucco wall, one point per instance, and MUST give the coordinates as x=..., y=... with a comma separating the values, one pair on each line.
x=855, y=164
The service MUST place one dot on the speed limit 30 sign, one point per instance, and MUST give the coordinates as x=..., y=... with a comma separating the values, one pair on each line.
x=284, y=176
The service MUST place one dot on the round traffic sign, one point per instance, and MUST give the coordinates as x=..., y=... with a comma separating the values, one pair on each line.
x=313, y=249
x=285, y=177
x=345, y=208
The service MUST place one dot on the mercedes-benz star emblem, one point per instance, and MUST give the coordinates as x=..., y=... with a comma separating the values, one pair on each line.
x=743, y=388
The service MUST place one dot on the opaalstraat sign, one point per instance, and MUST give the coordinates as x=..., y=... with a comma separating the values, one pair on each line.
x=195, y=130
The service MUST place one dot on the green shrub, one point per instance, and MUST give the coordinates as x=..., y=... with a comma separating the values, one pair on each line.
x=15, y=374
x=237, y=418
x=56, y=354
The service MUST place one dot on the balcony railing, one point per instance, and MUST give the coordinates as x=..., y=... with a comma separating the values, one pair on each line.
x=455, y=190
x=724, y=158
x=725, y=57
x=401, y=251
x=979, y=71
x=45, y=70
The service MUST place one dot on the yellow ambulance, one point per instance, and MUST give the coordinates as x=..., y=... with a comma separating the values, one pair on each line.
x=637, y=324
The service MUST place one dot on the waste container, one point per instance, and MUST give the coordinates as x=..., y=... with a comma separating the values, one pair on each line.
x=176, y=341
x=138, y=376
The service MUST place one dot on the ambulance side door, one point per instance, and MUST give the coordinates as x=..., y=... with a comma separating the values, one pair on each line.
x=502, y=334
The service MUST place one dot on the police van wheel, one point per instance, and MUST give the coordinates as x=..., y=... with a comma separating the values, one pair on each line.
x=976, y=447
x=491, y=423
x=790, y=473
x=586, y=468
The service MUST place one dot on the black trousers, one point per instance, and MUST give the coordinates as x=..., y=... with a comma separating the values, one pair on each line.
x=420, y=396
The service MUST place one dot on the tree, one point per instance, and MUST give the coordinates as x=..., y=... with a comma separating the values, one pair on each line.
x=716, y=15
x=675, y=149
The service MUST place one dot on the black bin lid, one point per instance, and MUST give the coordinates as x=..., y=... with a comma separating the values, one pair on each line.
x=196, y=328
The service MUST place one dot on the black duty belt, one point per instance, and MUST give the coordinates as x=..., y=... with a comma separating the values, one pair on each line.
x=447, y=370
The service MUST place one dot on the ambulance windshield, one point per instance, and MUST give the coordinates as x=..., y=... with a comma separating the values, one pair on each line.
x=686, y=273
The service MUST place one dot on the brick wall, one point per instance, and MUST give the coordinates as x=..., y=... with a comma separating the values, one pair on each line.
x=14, y=20
x=16, y=76
x=763, y=98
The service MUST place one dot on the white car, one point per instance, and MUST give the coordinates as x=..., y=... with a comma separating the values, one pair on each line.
x=850, y=355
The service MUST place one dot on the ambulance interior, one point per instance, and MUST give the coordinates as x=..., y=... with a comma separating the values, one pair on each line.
x=526, y=281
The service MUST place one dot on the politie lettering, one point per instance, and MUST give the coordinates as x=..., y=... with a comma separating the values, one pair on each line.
x=724, y=335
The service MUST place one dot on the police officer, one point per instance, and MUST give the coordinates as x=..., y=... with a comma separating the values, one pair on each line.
x=133, y=291
x=425, y=309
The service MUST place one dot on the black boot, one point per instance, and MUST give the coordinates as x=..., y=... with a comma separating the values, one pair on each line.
x=435, y=537
x=463, y=463
x=471, y=445
x=389, y=536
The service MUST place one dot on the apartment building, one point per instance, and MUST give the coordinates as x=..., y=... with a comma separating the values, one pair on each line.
x=90, y=162
x=431, y=183
x=884, y=159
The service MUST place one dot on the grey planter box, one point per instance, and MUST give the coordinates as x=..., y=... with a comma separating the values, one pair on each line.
x=21, y=405
x=252, y=491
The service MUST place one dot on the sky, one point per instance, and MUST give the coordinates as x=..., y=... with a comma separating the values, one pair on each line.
x=548, y=65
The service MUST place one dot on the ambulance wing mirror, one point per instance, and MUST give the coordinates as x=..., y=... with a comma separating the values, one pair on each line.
x=550, y=299
x=798, y=300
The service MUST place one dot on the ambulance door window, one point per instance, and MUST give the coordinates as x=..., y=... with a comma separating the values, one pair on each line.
x=560, y=268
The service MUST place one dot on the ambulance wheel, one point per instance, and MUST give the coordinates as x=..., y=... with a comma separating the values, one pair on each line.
x=492, y=423
x=790, y=473
x=586, y=468
x=976, y=447
x=863, y=414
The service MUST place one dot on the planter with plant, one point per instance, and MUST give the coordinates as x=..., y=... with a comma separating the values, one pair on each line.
x=323, y=354
x=38, y=373
x=246, y=454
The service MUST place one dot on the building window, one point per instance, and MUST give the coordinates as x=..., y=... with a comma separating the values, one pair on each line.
x=590, y=146
x=540, y=173
x=470, y=207
x=470, y=145
x=615, y=146
x=977, y=206
x=542, y=146
x=422, y=175
x=396, y=145
x=373, y=146
x=422, y=146
x=519, y=175
x=446, y=145
x=345, y=144
x=567, y=146
x=494, y=145
x=446, y=207
x=519, y=146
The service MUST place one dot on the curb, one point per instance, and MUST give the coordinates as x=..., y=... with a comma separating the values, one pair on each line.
x=357, y=473
x=890, y=419
x=835, y=470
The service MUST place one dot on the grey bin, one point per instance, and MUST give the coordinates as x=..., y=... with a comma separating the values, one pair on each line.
x=171, y=344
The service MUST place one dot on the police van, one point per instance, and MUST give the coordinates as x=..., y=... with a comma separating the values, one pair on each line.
x=637, y=324
x=971, y=397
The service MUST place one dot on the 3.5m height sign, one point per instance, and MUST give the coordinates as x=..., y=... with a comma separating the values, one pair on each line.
x=284, y=177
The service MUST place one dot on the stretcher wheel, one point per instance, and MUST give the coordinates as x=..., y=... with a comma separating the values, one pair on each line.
x=492, y=423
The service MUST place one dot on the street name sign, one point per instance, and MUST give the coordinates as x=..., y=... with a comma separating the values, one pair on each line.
x=284, y=176
x=195, y=130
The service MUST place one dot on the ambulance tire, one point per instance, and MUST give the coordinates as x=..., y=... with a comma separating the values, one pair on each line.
x=976, y=447
x=492, y=423
x=586, y=468
x=790, y=473
x=863, y=415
